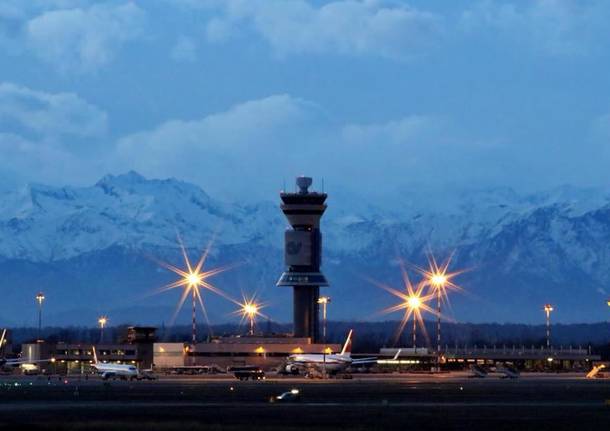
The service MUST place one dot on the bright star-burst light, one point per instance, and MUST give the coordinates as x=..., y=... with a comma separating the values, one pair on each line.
x=438, y=277
x=249, y=310
x=412, y=300
x=192, y=279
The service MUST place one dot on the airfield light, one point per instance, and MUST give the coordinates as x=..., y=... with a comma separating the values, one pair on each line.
x=324, y=301
x=249, y=311
x=547, y=309
x=192, y=279
x=440, y=280
x=40, y=299
x=102, y=321
x=414, y=302
x=608, y=302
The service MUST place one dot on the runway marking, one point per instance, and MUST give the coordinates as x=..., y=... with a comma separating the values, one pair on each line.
x=46, y=405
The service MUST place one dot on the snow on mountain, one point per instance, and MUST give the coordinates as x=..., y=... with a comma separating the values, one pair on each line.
x=43, y=223
x=523, y=249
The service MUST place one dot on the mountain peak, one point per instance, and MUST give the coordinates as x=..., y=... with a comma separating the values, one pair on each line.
x=128, y=178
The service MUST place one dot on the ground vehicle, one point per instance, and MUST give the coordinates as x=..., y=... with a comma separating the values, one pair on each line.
x=247, y=372
x=147, y=375
x=293, y=395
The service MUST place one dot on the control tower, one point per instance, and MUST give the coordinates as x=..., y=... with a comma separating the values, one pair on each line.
x=303, y=255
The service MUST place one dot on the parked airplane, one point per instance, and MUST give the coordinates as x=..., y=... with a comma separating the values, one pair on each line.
x=332, y=362
x=107, y=370
x=508, y=372
x=478, y=371
x=5, y=362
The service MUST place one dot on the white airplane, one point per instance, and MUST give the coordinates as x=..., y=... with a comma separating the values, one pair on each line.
x=333, y=362
x=508, y=372
x=4, y=362
x=478, y=372
x=123, y=371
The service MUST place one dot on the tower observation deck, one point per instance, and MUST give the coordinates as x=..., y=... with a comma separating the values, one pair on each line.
x=303, y=255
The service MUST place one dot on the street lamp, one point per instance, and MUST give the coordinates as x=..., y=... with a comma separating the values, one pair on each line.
x=102, y=322
x=324, y=300
x=438, y=281
x=547, y=309
x=250, y=310
x=40, y=300
x=413, y=304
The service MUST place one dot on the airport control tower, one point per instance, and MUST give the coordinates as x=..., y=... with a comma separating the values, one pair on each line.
x=303, y=255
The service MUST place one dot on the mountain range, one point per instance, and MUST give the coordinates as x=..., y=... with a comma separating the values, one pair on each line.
x=96, y=250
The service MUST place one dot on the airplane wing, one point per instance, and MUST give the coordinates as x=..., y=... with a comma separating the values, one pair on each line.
x=13, y=362
x=363, y=361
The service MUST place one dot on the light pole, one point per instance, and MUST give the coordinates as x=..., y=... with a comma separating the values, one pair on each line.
x=547, y=309
x=193, y=280
x=413, y=304
x=438, y=281
x=102, y=322
x=324, y=300
x=251, y=310
x=40, y=300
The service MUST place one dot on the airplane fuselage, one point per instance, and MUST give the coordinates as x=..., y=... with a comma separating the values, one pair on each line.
x=116, y=370
x=332, y=362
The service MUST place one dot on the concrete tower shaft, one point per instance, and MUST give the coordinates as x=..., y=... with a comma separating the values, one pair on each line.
x=303, y=255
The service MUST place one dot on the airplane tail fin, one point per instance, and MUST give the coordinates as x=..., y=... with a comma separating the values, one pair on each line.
x=347, y=347
x=94, y=356
x=397, y=355
x=2, y=339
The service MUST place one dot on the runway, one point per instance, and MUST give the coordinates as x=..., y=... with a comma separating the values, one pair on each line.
x=367, y=402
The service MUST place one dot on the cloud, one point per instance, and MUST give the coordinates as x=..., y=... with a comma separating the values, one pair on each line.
x=184, y=50
x=48, y=114
x=262, y=141
x=83, y=39
x=247, y=139
x=48, y=136
x=348, y=27
x=554, y=27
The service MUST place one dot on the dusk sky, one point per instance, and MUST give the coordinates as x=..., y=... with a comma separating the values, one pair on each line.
x=236, y=96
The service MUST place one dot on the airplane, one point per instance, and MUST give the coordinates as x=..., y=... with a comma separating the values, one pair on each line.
x=332, y=362
x=123, y=371
x=508, y=372
x=478, y=372
x=8, y=362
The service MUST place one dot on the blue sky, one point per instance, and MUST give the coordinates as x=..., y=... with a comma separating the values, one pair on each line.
x=236, y=95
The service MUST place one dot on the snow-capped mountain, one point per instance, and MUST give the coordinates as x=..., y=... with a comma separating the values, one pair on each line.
x=90, y=249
